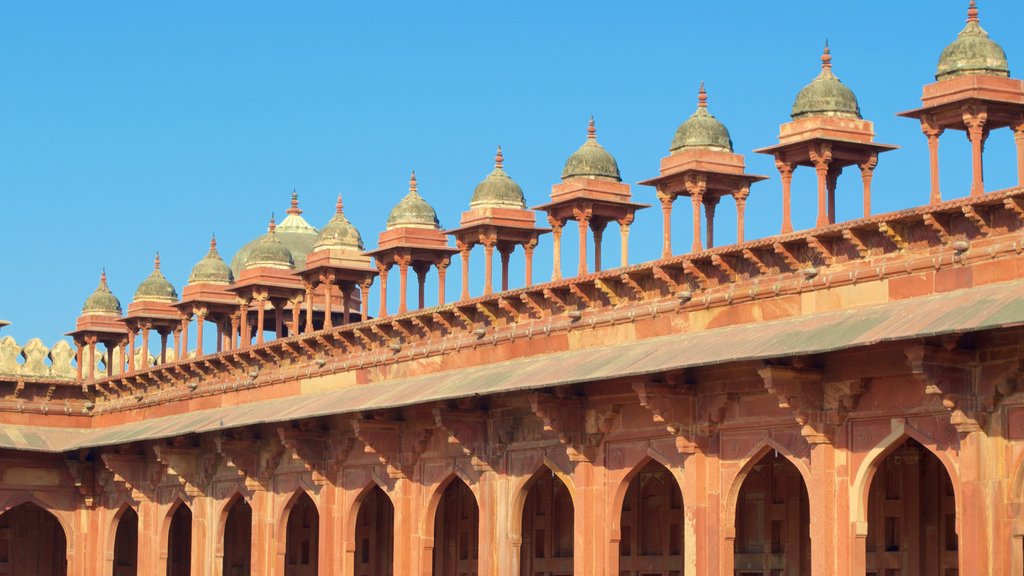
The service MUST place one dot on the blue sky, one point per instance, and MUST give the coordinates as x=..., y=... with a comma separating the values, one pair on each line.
x=131, y=127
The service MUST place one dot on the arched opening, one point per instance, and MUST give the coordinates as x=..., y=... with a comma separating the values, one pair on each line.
x=238, y=539
x=547, y=533
x=375, y=528
x=651, y=524
x=179, y=542
x=773, y=520
x=456, y=527
x=126, y=544
x=302, y=539
x=32, y=541
x=911, y=515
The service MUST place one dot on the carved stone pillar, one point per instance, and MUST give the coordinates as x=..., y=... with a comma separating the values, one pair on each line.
x=556, y=240
x=1018, y=137
x=597, y=227
x=821, y=156
x=666, y=223
x=442, y=272
x=421, y=269
x=464, y=257
x=710, y=203
x=740, y=196
x=583, y=221
x=383, y=268
x=403, y=285
x=786, y=173
x=696, y=186
x=830, y=182
x=505, y=251
x=974, y=119
x=933, y=131
x=867, y=170
x=624, y=239
x=488, y=266
x=528, y=250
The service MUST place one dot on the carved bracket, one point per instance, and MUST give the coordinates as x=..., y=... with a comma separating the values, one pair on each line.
x=947, y=373
x=563, y=417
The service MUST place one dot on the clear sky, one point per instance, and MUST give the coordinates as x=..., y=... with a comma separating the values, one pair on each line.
x=132, y=127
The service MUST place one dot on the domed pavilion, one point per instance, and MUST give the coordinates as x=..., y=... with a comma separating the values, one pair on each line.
x=828, y=134
x=973, y=92
x=99, y=323
x=153, y=308
x=702, y=165
x=207, y=298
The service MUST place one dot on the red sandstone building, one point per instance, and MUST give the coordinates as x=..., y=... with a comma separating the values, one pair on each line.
x=847, y=399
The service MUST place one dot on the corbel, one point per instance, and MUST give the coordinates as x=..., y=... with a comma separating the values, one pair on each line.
x=692, y=270
x=665, y=278
x=608, y=291
x=935, y=225
x=128, y=470
x=858, y=242
x=758, y=262
x=823, y=251
x=311, y=445
x=980, y=221
x=1016, y=205
x=488, y=313
x=634, y=286
x=383, y=438
x=800, y=391
x=307, y=344
x=397, y=326
x=947, y=373
x=180, y=462
x=466, y=429
x=724, y=264
x=551, y=296
x=787, y=256
x=672, y=407
x=419, y=322
x=507, y=306
x=441, y=320
x=890, y=231
x=83, y=475
x=461, y=316
x=532, y=304
x=576, y=290
x=242, y=453
x=364, y=337
x=563, y=417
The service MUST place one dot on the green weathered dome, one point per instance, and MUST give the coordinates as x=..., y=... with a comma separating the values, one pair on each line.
x=413, y=211
x=339, y=233
x=211, y=269
x=269, y=252
x=497, y=190
x=294, y=232
x=702, y=130
x=155, y=288
x=973, y=52
x=591, y=160
x=102, y=300
x=826, y=95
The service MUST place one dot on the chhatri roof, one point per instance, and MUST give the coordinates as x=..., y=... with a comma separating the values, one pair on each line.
x=701, y=130
x=498, y=190
x=270, y=252
x=973, y=52
x=413, y=211
x=591, y=160
x=211, y=269
x=297, y=235
x=155, y=288
x=826, y=95
x=102, y=301
x=339, y=233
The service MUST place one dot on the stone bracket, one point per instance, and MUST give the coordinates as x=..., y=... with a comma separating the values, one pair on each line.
x=563, y=417
x=675, y=409
x=464, y=428
x=948, y=374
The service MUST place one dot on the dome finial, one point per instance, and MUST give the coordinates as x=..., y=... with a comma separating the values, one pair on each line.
x=826, y=57
x=499, y=159
x=702, y=96
x=338, y=206
x=213, y=241
x=156, y=261
x=103, y=276
x=972, y=12
x=591, y=129
x=412, y=183
x=295, y=204
x=273, y=225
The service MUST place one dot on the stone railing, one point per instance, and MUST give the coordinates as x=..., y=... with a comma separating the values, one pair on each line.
x=35, y=360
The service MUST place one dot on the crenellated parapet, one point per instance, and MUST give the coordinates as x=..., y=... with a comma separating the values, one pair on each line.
x=36, y=360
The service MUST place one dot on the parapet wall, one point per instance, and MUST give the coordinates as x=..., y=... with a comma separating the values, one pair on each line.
x=35, y=360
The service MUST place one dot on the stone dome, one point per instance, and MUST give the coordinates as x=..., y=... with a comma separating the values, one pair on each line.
x=339, y=233
x=497, y=190
x=702, y=130
x=826, y=95
x=297, y=235
x=973, y=52
x=102, y=300
x=155, y=288
x=269, y=252
x=413, y=211
x=211, y=269
x=591, y=160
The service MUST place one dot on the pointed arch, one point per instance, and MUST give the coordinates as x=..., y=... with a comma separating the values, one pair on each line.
x=351, y=516
x=175, y=539
x=750, y=460
x=298, y=534
x=20, y=498
x=369, y=531
x=521, y=490
x=123, y=544
x=233, y=549
x=619, y=496
x=435, y=498
x=542, y=522
x=899, y=434
x=33, y=540
x=455, y=525
x=648, y=522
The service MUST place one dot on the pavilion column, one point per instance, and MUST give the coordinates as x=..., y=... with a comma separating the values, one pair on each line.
x=123, y=345
x=109, y=360
x=220, y=336
x=403, y=285
x=346, y=302
x=556, y=241
x=145, y=348
x=328, y=284
x=506, y=253
x=740, y=196
x=200, y=320
x=488, y=267
x=597, y=227
x=78, y=360
x=421, y=283
x=163, y=346
x=244, y=341
x=583, y=222
x=710, y=203
x=309, y=308
x=92, y=359
x=624, y=239
x=528, y=250
x=974, y=119
x=296, y=325
x=364, y=293
x=666, y=223
x=933, y=131
x=821, y=157
x=1018, y=137
x=831, y=179
x=786, y=174
x=131, y=350
x=184, y=338
x=383, y=289
x=442, y=272
x=464, y=249
x=867, y=170
x=697, y=200
x=278, y=307
x=261, y=314
x=235, y=338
